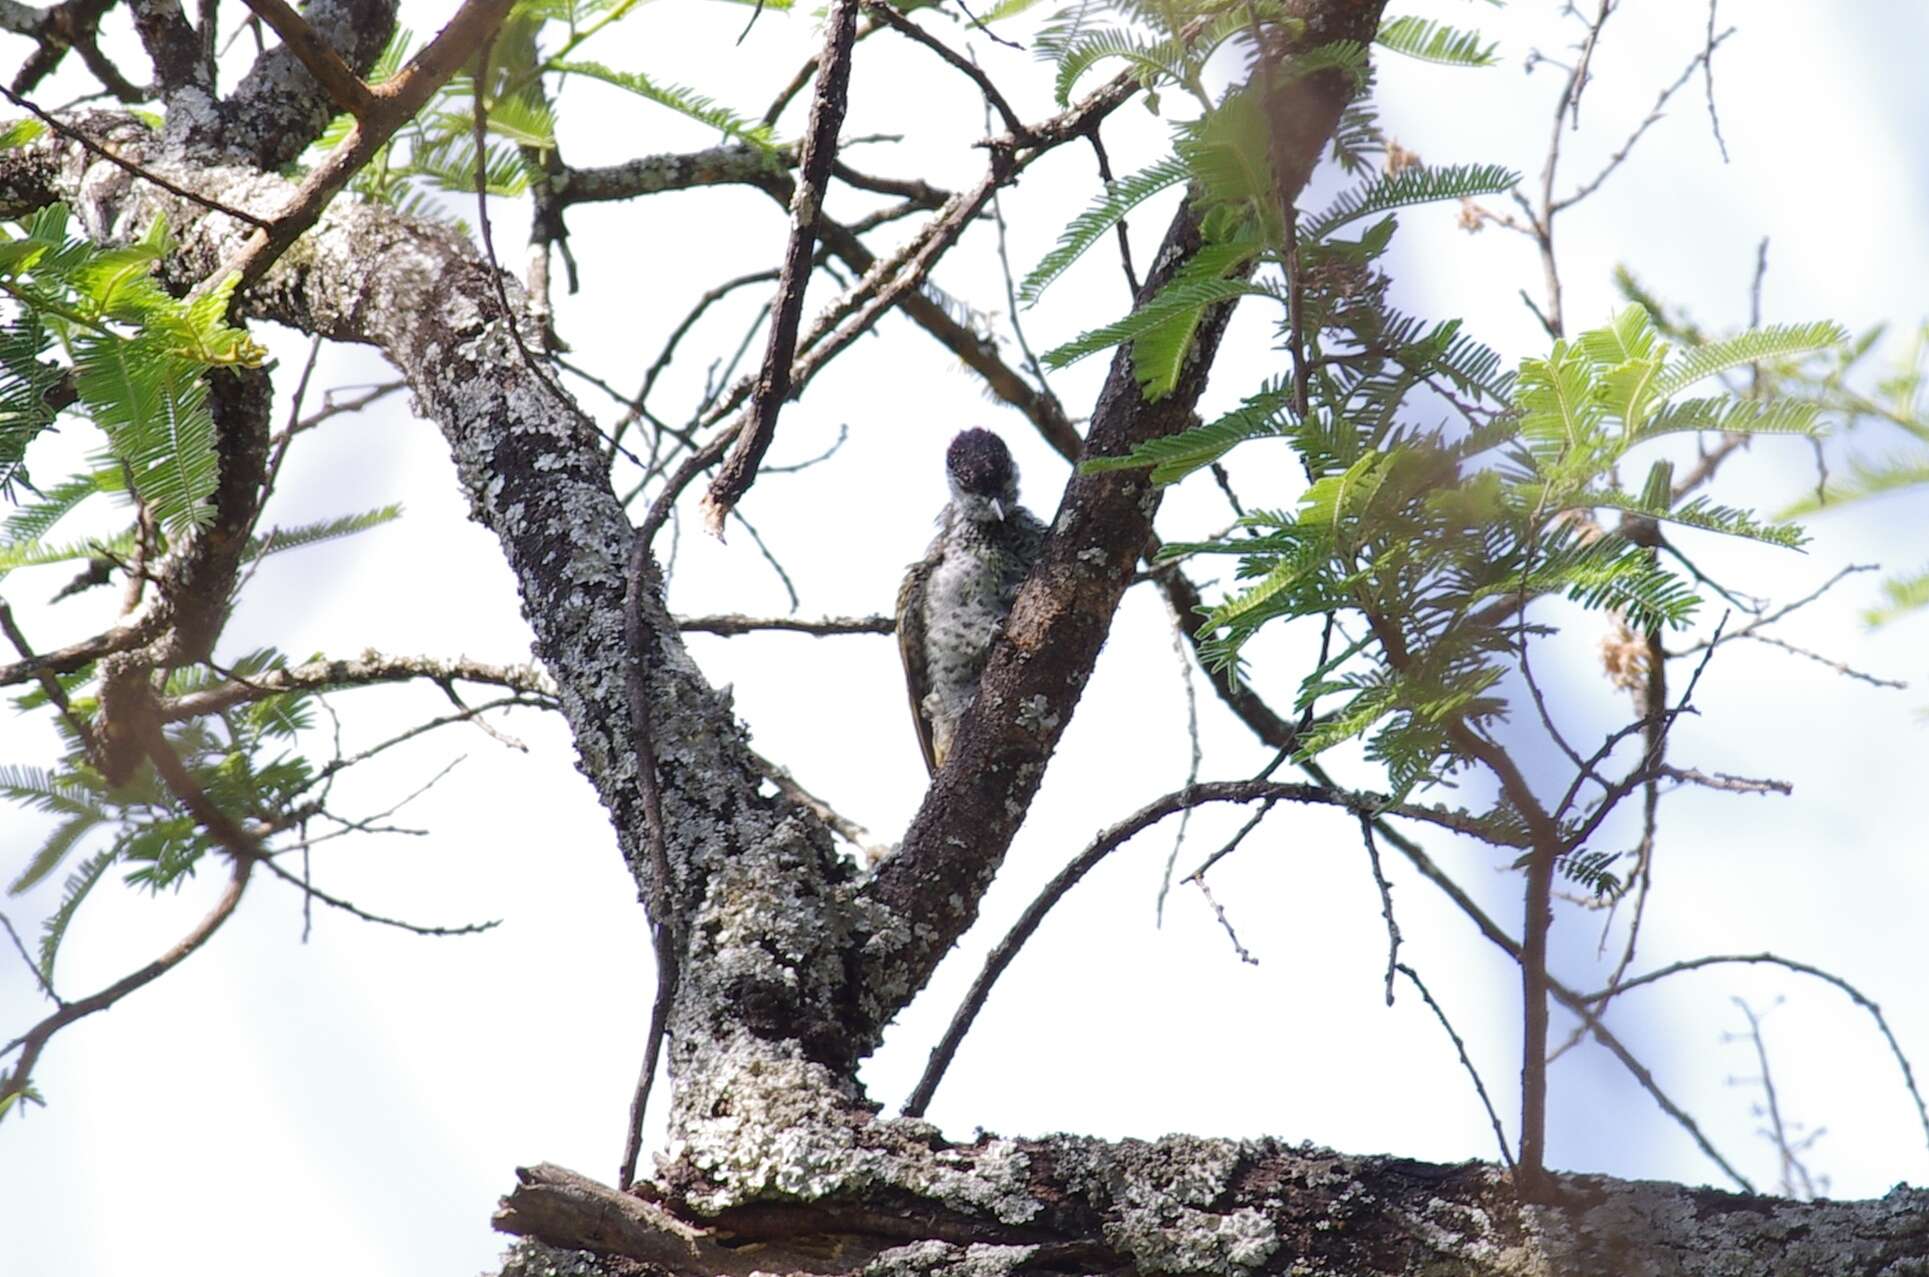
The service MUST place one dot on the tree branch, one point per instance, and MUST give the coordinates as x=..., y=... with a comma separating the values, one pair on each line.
x=806, y=206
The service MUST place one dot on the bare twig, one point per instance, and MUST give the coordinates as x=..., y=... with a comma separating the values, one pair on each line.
x=890, y=17
x=1500, y=1135
x=1840, y=667
x=1708, y=69
x=1196, y=759
x=1386, y=904
x=368, y=669
x=813, y=173
x=1724, y=781
x=1124, y=234
x=1769, y=959
x=1581, y=77
x=1219, y=912
x=312, y=892
x=39, y=976
x=1232, y=844
x=1101, y=847
x=1654, y=115
x=1796, y=1181
x=69, y=131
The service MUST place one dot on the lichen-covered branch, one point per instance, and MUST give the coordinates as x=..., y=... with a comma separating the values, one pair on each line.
x=1186, y=1205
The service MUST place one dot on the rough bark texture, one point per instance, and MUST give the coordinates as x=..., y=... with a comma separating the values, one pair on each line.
x=1188, y=1205
x=795, y=961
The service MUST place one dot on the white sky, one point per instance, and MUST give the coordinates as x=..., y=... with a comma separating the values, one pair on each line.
x=358, y=1103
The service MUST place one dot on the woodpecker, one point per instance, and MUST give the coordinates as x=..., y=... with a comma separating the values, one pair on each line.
x=954, y=601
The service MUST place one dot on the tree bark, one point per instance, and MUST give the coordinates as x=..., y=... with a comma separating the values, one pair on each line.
x=795, y=960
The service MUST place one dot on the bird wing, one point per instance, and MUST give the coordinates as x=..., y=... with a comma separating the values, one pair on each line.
x=911, y=650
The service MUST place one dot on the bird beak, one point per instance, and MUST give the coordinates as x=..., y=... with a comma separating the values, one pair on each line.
x=998, y=508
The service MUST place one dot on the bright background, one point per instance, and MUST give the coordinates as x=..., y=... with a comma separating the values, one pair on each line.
x=358, y=1103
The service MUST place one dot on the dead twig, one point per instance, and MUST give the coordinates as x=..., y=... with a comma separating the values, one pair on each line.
x=312, y=892
x=1770, y=959
x=813, y=173
x=1500, y=1134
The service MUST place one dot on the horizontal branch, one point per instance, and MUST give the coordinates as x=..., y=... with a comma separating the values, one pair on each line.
x=363, y=671
x=732, y=623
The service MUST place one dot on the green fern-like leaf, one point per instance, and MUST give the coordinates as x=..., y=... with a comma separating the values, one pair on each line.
x=72, y=894
x=1703, y=514
x=1180, y=299
x=1348, y=57
x=1904, y=594
x=154, y=407
x=59, y=843
x=280, y=539
x=1161, y=347
x=1174, y=457
x=1092, y=225
x=1561, y=417
x=449, y=163
x=32, y=554
x=1866, y=479
x=1285, y=572
x=25, y=379
x=1735, y=416
x=18, y=133
x=33, y=521
x=1758, y=344
x=1434, y=42
x=1415, y=185
x=1150, y=58
x=1228, y=155
x=686, y=102
x=1357, y=139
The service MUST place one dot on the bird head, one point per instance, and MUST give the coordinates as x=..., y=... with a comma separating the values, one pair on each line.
x=984, y=480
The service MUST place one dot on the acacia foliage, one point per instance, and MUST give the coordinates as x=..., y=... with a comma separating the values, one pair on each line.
x=1420, y=541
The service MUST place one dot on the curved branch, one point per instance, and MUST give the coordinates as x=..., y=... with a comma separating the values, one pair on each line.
x=1854, y=994
x=244, y=851
x=1238, y=791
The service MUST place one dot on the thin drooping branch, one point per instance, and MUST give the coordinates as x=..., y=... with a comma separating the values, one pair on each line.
x=128, y=166
x=1500, y=1132
x=35, y=1039
x=243, y=850
x=313, y=892
x=1182, y=800
x=806, y=206
x=1854, y=994
x=883, y=12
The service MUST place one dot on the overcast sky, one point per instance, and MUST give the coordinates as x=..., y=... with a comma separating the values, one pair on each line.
x=357, y=1103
